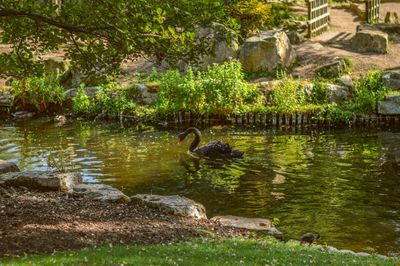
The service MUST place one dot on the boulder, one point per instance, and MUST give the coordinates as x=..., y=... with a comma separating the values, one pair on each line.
x=369, y=38
x=391, y=79
x=251, y=224
x=336, y=93
x=267, y=51
x=55, y=66
x=332, y=69
x=6, y=167
x=217, y=36
x=295, y=37
x=346, y=81
x=146, y=96
x=100, y=192
x=390, y=105
x=90, y=92
x=175, y=204
x=46, y=181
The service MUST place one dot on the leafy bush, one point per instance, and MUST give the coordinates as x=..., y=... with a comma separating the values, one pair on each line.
x=334, y=112
x=252, y=15
x=369, y=90
x=39, y=91
x=81, y=102
x=318, y=95
x=288, y=95
x=109, y=99
x=221, y=89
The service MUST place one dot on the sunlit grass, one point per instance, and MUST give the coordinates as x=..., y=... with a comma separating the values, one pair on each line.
x=209, y=252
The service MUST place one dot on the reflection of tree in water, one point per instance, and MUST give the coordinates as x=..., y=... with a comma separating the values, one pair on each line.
x=221, y=174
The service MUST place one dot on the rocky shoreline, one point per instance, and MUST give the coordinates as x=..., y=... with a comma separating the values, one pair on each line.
x=47, y=212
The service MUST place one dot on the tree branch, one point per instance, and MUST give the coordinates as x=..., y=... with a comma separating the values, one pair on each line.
x=4, y=12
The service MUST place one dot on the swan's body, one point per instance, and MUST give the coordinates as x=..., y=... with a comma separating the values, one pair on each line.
x=214, y=149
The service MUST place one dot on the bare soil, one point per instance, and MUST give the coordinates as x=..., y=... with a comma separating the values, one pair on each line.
x=336, y=43
x=37, y=222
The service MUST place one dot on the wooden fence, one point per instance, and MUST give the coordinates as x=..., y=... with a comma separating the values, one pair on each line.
x=289, y=121
x=372, y=11
x=318, y=17
x=285, y=122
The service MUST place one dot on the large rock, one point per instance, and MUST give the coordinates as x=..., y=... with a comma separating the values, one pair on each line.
x=6, y=167
x=332, y=69
x=391, y=79
x=101, y=192
x=174, y=204
x=146, y=96
x=217, y=36
x=336, y=93
x=390, y=105
x=46, y=181
x=252, y=224
x=267, y=51
x=346, y=80
x=369, y=38
x=90, y=92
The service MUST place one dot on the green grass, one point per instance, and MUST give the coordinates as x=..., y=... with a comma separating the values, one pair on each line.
x=209, y=252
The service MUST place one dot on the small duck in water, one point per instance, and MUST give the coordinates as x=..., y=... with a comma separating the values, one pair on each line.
x=309, y=238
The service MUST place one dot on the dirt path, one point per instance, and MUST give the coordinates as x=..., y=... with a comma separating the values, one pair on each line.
x=336, y=43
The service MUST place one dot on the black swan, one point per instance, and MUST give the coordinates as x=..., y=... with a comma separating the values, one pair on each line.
x=214, y=149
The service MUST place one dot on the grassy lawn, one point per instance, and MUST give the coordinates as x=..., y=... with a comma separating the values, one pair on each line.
x=198, y=252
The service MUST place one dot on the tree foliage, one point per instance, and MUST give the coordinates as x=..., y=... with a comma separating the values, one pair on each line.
x=97, y=35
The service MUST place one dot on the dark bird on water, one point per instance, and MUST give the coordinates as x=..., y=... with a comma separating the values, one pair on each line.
x=213, y=149
x=309, y=238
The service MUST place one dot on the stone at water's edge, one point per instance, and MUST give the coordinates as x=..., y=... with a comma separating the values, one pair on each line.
x=336, y=93
x=267, y=51
x=369, y=38
x=6, y=167
x=173, y=204
x=390, y=105
x=391, y=79
x=101, y=192
x=252, y=224
x=47, y=181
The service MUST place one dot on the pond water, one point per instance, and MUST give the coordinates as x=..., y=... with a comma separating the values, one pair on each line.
x=345, y=185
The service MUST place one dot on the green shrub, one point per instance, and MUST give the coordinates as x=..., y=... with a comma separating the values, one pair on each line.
x=81, y=102
x=109, y=99
x=252, y=15
x=369, y=90
x=319, y=92
x=221, y=89
x=39, y=91
x=288, y=95
x=334, y=112
x=112, y=99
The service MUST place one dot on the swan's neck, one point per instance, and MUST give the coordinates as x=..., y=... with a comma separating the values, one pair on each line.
x=197, y=136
